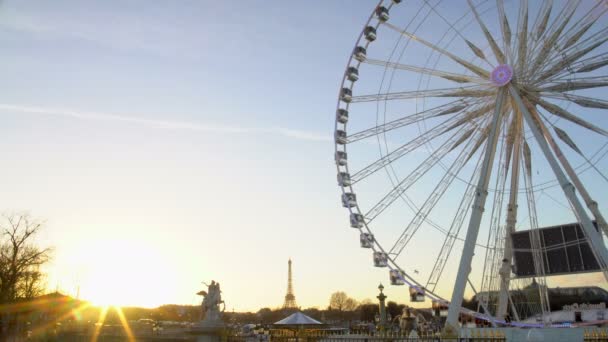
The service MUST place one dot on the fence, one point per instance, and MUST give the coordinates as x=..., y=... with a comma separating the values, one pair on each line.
x=299, y=336
x=595, y=335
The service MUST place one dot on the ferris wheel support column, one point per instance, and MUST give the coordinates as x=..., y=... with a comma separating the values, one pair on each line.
x=593, y=236
x=481, y=194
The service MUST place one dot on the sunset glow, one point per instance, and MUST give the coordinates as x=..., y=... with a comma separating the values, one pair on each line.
x=123, y=273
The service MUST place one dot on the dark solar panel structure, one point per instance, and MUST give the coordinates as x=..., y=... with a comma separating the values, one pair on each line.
x=565, y=250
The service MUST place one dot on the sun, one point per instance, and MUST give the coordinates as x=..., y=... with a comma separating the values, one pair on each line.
x=120, y=272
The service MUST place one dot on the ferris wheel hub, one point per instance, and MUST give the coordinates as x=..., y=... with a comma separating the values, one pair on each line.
x=502, y=75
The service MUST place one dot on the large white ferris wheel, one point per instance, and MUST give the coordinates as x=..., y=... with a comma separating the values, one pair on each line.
x=471, y=141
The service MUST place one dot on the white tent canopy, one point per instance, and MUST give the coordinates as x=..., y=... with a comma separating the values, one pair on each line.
x=298, y=318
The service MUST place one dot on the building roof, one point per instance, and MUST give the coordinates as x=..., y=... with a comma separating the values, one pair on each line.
x=298, y=318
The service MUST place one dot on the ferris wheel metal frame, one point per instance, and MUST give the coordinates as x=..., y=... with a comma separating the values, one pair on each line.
x=502, y=84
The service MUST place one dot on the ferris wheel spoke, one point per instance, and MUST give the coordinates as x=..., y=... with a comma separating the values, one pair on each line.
x=592, y=63
x=563, y=136
x=594, y=238
x=539, y=264
x=404, y=149
x=576, y=32
x=459, y=78
x=417, y=173
x=453, y=107
x=454, y=230
x=498, y=54
x=441, y=188
x=472, y=91
x=505, y=28
x=572, y=55
x=582, y=101
x=540, y=23
x=522, y=36
x=581, y=66
x=492, y=260
x=471, y=115
x=576, y=84
x=472, y=67
x=512, y=135
x=537, y=31
x=549, y=43
x=587, y=42
x=564, y=114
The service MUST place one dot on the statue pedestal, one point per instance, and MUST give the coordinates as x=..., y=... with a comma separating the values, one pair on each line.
x=208, y=331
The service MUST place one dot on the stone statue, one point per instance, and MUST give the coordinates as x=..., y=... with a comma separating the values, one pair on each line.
x=408, y=322
x=211, y=304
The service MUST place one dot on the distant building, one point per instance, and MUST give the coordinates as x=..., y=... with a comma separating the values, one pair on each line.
x=561, y=300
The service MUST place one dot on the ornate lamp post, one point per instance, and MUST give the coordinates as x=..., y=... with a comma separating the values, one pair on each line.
x=381, y=297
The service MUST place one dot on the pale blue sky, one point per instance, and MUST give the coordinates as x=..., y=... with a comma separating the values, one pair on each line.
x=198, y=132
x=201, y=129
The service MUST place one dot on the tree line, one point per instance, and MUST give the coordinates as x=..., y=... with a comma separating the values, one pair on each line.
x=340, y=309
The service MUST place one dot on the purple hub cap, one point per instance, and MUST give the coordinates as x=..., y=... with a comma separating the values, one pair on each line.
x=502, y=75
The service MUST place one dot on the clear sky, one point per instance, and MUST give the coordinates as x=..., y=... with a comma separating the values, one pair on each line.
x=183, y=141
x=167, y=143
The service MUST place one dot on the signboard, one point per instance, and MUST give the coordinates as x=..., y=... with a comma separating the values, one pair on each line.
x=565, y=250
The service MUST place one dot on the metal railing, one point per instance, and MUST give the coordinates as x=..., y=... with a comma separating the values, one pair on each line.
x=483, y=336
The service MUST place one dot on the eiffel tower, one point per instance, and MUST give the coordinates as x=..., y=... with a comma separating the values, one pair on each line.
x=290, y=299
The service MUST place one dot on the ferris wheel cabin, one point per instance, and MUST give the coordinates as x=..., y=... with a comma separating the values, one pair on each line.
x=380, y=259
x=382, y=13
x=352, y=74
x=346, y=95
x=341, y=158
x=340, y=137
x=440, y=309
x=344, y=179
x=360, y=53
x=356, y=220
x=417, y=294
x=370, y=33
x=342, y=115
x=366, y=240
x=349, y=200
x=396, y=277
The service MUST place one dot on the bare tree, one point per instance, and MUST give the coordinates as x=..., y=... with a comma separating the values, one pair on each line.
x=20, y=261
x=342, y=302
x=20, y=258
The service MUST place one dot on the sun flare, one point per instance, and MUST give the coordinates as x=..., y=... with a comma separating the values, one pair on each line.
x=123, y=273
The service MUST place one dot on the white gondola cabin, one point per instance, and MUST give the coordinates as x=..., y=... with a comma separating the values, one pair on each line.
x=396, y=277
x=382, y=13
x=346, y=95
x=416, y=294
x=370, y=33
x=352, y=74
x=341, y=158
x=340, y=136
x=356, y=220
x=380, y=259
x=366, y=240
x=360, y=53
x=440, y=309
x=349, y=200
x=344, y=179
x=342, y=115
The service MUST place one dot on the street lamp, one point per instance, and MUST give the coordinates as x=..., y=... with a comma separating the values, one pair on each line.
x=381, y=298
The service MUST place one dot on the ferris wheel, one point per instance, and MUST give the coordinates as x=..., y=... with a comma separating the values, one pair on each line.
x=470, y=144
